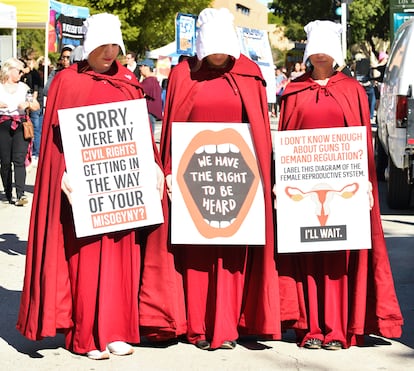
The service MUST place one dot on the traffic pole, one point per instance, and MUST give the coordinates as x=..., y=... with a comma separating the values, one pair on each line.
x=344, y=22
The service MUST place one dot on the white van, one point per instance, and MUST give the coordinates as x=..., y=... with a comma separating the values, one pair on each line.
x=395, y=118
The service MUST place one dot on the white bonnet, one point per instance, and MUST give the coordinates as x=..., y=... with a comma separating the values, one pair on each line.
x=324, y=37
x=101, y=29
x=216, y=34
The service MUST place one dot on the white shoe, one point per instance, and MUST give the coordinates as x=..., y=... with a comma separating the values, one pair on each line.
x=97, y=354
x=120, y=348
x=35, y=160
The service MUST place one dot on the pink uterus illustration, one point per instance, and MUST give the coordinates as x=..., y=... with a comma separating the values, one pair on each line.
x=322, y=195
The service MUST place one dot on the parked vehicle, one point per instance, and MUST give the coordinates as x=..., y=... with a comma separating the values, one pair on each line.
x=395, y=118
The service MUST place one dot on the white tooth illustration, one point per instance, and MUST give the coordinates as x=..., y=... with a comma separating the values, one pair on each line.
x=211, y=148
x=215, y=224
x=223, y=148
x=224, y=224
x=234, y=148
x=200, y=150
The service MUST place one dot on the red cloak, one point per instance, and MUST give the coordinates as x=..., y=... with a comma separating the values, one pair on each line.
x=57, y=262
x=373, y=305
x=260, y=309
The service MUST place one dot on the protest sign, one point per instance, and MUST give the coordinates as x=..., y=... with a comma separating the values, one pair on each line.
x=255, y=44
x=322, y=190
x=110, y=164
x=217, y=193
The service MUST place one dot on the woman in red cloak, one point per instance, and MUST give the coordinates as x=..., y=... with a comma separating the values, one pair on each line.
x=228, y=289
x=88, y=287
x=341, y=295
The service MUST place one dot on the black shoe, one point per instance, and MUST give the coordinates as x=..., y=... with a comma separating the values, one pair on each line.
x=11, y=200
x=333, y=345
x=21, y=201
x=203, y=344
x=313, y=344
x=228, y=344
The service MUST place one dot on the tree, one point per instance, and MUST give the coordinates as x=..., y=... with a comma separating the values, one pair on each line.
x=367, y=18
x=31, y=40
x=146, y=24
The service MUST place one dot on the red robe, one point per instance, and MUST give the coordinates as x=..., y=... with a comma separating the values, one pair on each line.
x=365, y=298
x=88, y=287
x=258, y=313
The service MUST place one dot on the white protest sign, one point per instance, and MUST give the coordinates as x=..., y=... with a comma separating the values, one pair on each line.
x=111, y=169
x=217, y=193
x=322, y=190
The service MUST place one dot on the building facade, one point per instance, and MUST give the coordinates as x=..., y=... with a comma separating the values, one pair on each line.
x=247, y=13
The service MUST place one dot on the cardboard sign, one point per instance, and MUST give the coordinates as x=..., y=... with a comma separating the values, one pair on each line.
x=217, y=193
x=110, y=165
x=322, y=190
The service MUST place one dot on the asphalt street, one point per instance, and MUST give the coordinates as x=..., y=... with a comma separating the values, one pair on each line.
x=18, y=353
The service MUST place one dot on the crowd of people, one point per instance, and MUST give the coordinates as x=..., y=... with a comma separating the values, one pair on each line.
x=106, y=291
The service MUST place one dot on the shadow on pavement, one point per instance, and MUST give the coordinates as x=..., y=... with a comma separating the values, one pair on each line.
x=12, y=245
x=9, y=302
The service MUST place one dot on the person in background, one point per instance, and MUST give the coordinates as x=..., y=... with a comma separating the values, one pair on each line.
x=382, y=63
x=381, y=154
x=14, y=104
x=363, y=73
x=88, y=288
x=227, y=288
x=164, y=86
x=152, y=91
x=303, y=68
x=63, y=62
x=34, y=80
x=297, y=71
x=380, y=70
x=281, y=82
x=131, y=64
x=342, y=294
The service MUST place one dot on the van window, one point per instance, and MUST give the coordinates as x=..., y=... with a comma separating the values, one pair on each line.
x=397, y=54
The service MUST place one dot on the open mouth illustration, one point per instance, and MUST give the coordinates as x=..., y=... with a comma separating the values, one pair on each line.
x=218, y=178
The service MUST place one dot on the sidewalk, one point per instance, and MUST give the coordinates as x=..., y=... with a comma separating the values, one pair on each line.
x=18, y=353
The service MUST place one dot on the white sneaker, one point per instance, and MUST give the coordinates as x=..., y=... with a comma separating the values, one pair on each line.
x=120, y=348
x=97, y=354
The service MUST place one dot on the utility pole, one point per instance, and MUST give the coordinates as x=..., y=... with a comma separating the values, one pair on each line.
x=344, y=22
x=340, y=10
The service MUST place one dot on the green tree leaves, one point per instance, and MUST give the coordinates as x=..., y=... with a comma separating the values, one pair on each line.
x=367, y=18
x=146, y=24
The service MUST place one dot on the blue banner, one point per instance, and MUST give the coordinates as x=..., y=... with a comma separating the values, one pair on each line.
x=65, y=25
x=185, y=35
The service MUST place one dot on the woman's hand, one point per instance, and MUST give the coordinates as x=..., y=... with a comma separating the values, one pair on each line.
x=160, y=181
x=33, y=105
x=66, y=188
x=3, y=105
x=370, y=196
x=168, y=181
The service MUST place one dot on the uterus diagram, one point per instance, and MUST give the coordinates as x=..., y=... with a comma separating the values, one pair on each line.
x=322, y=195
